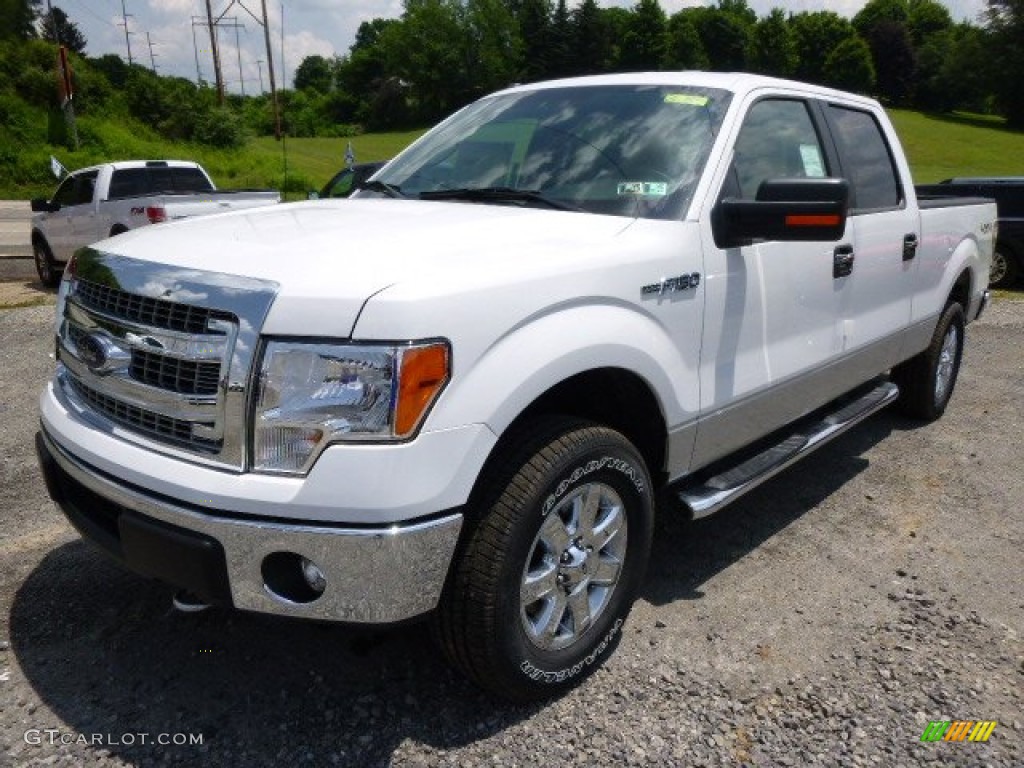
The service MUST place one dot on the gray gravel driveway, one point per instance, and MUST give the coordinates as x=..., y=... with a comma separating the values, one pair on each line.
x=824, y=620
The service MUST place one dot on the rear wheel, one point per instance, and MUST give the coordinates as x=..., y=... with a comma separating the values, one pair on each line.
x=47, y=269
x=1005, y=271
x=926, y=381
x=547, y=578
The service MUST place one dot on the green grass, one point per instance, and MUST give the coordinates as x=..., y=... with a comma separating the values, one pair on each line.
x=314, y=161
x=937, y=146
x=260, y=163
x=941, y=146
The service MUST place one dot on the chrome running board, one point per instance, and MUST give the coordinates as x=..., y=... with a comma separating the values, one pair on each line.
x=728, y=485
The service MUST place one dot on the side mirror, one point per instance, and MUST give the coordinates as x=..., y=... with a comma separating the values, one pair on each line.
x=42, y=205
x=789, y=210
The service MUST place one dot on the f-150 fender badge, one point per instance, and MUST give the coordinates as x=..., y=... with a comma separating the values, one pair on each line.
x=672, y=284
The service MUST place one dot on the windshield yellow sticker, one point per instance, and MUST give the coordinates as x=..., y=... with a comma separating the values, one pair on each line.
x=646, y=188
x=692, y=99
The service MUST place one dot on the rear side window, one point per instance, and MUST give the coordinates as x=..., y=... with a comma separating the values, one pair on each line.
x=867, y=161
x=139, y=182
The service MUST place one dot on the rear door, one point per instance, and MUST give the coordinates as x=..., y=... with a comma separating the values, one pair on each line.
x=885, y=231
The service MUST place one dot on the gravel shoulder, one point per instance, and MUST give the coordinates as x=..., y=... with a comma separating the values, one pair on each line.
x=824, y=620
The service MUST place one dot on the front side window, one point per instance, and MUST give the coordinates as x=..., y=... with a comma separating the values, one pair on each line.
x=866, y=158
x=624, y=150
x=85, y=185
x=777, y=141
x=65, y=193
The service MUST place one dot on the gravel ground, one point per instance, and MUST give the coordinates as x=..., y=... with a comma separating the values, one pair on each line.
x=825, y=620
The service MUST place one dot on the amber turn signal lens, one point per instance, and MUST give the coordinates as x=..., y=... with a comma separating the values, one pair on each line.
x=423, y=374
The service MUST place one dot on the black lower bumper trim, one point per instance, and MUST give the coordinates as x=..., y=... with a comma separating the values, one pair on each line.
x=149, y=547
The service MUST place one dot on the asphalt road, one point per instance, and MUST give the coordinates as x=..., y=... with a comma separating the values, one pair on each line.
x=825, y=619
x=15, y=242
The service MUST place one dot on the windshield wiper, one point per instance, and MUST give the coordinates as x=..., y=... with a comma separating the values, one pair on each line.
x=373, y=185
x=497, y=195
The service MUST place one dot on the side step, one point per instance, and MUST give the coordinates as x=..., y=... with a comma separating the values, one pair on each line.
x=709, y=497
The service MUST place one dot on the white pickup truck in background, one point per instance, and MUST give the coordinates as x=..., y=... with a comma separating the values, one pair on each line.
x=105, y=200
x=465, y=392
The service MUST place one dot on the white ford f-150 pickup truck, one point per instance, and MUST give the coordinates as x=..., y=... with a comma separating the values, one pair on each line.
x=460, y=394
x=105, y=200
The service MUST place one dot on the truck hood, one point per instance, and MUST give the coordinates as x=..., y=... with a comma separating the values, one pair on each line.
x=329, y=257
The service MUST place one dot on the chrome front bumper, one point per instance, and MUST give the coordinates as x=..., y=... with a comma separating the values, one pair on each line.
x=373, y=575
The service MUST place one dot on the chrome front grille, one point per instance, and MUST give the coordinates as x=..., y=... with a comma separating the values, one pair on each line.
x=155, y=313
x=161, y=355
x=175, y=375
x=165, y=428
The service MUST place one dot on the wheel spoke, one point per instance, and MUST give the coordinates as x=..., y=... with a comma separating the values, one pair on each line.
x=550, y=620
x=538, y=584
x=606, y=571
x=608, y=528
x=554, y=534
x=589, y=507
x=578, y=604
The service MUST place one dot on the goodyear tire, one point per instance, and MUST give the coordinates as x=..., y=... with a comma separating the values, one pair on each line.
x=926, y=381
x=47, y=269
x=547, y=577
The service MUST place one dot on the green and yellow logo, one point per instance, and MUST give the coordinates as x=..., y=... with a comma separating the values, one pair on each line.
x=958, y=730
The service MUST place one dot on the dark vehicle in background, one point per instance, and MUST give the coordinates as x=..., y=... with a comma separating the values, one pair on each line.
x=1008, y=192
x=347, y=180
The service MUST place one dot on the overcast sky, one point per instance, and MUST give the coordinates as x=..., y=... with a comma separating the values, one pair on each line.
x=326, y=27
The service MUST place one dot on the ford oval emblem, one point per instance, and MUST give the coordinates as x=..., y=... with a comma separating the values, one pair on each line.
x=91, y=352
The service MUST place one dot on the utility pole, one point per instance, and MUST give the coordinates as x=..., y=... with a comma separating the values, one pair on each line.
x=264, y=22
x=216, y=54
x=238, y=50
x=259, y=67
x=64, y=74
x=152, y=56
x=127, y=41
x=195, y=47
x=231, y=22
x=270, y=69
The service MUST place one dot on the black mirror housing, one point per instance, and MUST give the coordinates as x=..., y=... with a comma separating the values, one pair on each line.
x=42, y=205
x=788, y=210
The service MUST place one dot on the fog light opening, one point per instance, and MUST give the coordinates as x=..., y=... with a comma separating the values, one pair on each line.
x=292, y=578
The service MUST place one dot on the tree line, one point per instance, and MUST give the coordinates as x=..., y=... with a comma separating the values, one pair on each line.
x=442, y=54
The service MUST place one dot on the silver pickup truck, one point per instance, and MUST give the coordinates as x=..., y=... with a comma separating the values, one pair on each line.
x=106, y=200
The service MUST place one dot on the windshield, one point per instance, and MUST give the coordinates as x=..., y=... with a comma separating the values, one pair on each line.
x=623, y=150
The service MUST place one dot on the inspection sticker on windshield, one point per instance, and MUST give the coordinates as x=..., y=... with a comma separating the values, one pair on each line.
x=693, y=99
x=648, y=188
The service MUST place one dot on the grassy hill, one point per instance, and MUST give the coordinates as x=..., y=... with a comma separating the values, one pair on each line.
x=938, y=147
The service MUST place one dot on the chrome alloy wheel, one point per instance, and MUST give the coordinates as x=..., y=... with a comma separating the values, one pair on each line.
x=574, y=563
x=946, y=369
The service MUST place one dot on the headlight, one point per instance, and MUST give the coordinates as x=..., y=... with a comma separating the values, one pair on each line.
x=312, y=394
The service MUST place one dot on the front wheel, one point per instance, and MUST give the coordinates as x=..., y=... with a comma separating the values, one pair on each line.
x=47, y=269
x=547, y=578
x=926, y=381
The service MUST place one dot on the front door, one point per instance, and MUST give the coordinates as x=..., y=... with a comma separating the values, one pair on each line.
x=772, y=314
